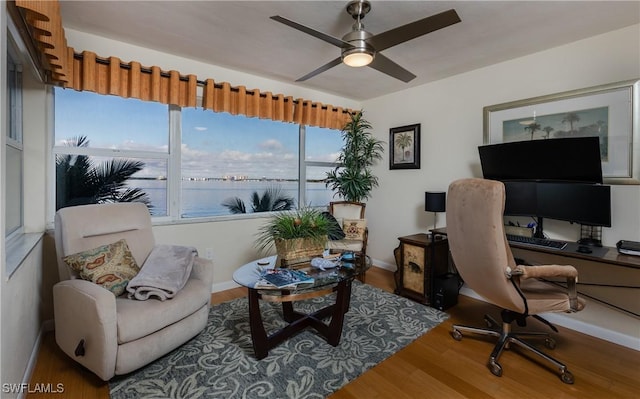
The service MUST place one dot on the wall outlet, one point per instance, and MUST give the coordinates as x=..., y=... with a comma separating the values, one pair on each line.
x=208, y=253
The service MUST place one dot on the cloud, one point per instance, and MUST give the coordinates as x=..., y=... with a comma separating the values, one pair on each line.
x=271, y=145
x=200, y=128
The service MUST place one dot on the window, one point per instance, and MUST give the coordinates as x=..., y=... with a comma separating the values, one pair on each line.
x=190, y=163
x=321, y=152
x=109, y=149
x=13, y=165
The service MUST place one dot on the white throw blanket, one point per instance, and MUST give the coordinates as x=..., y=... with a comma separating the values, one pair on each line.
x=164, y=273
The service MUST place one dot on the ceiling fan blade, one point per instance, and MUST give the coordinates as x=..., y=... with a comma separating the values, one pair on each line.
x=385, y=65
x=323, y=68
x=310, y=31
x=414, y=29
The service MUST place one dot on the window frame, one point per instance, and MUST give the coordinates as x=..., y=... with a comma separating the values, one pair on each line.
x=13, y=136
x=174, y=170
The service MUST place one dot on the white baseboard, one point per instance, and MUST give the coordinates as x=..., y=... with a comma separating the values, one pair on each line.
x=384, y=265
x=569, y=321
x=46, y=326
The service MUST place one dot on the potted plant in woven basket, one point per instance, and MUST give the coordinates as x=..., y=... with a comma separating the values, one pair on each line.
x=297, y=235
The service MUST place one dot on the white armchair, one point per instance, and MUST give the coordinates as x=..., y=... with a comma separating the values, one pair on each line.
x=112, y=335
x=348, y=212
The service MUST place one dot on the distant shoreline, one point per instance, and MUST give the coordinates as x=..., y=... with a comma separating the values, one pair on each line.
x=228, y=179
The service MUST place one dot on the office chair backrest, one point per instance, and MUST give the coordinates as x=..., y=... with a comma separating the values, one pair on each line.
x=84, y=227
x=475, y=229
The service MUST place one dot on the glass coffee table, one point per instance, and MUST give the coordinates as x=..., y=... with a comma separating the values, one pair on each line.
x=325, y=282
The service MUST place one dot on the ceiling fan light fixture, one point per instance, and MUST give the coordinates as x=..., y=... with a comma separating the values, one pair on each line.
x=357, y=57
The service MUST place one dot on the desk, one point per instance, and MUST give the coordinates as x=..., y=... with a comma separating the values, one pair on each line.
x=604, y=275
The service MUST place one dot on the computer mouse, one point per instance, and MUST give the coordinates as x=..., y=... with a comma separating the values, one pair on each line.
x=584, y=250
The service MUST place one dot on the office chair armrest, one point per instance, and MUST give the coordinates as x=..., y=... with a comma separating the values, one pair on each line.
x=548, y=271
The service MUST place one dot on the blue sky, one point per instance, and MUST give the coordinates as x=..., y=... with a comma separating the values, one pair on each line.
x=213, y=144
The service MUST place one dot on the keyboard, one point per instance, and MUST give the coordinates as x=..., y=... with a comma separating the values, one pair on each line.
x=538, y=242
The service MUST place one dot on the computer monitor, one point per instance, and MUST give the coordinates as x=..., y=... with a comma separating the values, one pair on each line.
x=583, y=203
x=574, y=159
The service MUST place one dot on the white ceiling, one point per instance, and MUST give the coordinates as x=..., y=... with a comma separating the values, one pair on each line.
x=239, y=35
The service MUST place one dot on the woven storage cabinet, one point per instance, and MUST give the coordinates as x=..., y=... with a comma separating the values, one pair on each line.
x=298, y=250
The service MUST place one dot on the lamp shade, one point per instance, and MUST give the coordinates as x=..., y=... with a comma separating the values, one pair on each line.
x=435, y=201
x=357, y=57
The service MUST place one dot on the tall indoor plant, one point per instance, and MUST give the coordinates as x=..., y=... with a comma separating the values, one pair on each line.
x=352, y=179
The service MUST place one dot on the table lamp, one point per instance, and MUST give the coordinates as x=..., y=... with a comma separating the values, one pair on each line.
x=435, y=201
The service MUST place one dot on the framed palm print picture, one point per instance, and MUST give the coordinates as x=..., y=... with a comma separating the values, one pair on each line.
x=404, y=147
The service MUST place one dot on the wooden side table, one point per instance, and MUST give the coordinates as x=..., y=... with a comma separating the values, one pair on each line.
x=419, y=259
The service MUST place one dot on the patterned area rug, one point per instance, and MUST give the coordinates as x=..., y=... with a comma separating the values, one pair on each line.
x=219, y=362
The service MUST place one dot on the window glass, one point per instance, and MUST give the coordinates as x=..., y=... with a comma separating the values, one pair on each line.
x=111, y=122
x=191, y=163
x=82, y=179
x=322, y=145
x=316, y=192
x=13, y=213
x=13, y=165
x=232, y=164
x=110, y=149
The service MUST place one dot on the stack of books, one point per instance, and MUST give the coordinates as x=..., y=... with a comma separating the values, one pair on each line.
x=283, y=278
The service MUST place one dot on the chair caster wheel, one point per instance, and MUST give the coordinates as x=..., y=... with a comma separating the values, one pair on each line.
x=550, y=343
x=457, y=335
x=566, y=377
x=495, y=368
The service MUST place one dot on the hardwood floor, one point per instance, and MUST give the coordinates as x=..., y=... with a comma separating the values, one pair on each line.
x=433, y=366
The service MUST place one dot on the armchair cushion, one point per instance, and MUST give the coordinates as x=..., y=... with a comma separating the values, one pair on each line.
x=354, y=229
x=111, y=266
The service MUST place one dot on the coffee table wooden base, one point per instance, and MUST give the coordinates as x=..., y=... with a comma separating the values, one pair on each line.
x=298, y=321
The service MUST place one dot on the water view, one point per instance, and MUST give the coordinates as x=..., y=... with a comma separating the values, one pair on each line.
x=201, y=198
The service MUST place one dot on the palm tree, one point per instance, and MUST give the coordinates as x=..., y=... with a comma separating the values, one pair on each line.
x=403, y=141
x=548, y=130
x=271, y=200
x=570, y=118
x=79, y=181
x=532, y=127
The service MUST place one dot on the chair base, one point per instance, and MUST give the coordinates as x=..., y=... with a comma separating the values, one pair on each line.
x=506, y=338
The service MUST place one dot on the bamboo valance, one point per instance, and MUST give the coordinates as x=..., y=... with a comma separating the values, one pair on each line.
x=43, y=17
x=111, y=76
x=131, y=80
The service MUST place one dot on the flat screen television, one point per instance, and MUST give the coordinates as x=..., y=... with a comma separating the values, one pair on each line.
x=573, y=159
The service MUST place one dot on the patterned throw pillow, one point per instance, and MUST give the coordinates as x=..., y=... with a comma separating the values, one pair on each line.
x=354, y=228
x=110, y=266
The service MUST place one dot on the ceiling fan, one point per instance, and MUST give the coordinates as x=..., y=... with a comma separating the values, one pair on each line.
x=361, y=48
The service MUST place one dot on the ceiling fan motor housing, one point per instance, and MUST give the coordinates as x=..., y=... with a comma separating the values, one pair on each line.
x=358, y=38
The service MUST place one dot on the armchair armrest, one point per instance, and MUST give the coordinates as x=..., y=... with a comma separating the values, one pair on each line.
x=84, y=311
x=549, y=271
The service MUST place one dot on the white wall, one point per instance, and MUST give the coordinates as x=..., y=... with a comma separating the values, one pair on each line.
x=24, y=301
x=450, y=112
